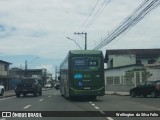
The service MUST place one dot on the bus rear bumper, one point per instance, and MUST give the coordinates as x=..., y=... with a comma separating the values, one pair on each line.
x=96, y=92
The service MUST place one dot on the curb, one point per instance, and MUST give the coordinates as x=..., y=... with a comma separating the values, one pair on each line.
x=117, y=93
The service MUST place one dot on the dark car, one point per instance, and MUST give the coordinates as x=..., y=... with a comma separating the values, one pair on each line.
x=151, y=88
x=27, y=86
x=57, y=85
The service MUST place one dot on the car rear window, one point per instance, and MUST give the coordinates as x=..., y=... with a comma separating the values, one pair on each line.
x=27, y=81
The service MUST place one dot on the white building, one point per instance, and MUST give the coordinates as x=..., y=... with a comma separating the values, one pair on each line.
x=128, y=67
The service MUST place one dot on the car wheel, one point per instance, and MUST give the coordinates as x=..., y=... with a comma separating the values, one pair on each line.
x=145, y=96
x=24, y=94
x=133, y=94
x=35, y=93
x=40, y=93
x=18, y=94
x=2, y=92
x=153, y=94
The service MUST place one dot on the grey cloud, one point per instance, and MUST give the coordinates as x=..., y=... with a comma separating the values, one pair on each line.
x=6, y=31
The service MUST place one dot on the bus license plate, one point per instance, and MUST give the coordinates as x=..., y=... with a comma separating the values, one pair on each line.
x=87, y=88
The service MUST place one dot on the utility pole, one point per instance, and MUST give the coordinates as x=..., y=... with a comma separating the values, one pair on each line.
x=56, y=73
x=25, y=72
x=84, y=37
x=25, y=64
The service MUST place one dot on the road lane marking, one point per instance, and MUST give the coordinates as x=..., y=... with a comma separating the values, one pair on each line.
x=93, y=104
x=41, y=100
x=97, y=108
x=102, y=112
x=109, y=118
x=27, y=106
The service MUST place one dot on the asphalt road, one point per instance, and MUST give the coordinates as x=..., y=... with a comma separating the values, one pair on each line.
x=52, y=101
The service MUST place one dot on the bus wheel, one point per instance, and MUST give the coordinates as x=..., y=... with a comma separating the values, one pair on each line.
x=67, y=97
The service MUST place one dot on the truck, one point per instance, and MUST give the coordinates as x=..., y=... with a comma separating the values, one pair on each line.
x=28, y=85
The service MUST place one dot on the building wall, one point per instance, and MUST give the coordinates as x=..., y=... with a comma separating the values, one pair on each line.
x=3, y=71
x=155, y=74
x=121, y=60
x=115, y=79
x=4, y=75
x=119, y=72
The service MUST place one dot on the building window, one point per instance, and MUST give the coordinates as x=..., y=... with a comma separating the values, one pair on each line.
x=113, y=80
x=110, y=80
x=111, y=63
x=152, y=61
x=1, y=68
x=116, y=80
x=6, y=68
x=138, y=62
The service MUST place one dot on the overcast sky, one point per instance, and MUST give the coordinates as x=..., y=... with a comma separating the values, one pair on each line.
x=38, y=28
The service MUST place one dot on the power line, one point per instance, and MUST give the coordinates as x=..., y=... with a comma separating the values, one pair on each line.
x=87, y=23
x=146, y=7
x=100, y=10
x=90, y=13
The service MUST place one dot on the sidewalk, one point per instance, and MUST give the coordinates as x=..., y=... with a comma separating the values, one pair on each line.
x=117, y=93
x=9, y=93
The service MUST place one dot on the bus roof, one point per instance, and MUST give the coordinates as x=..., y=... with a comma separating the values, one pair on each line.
x=82, y=52
x=85, y=52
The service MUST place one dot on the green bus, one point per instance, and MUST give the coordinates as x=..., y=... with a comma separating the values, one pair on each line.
x=82, y=74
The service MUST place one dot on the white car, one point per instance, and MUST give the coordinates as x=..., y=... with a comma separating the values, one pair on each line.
x=48, y=85
x=1, y=90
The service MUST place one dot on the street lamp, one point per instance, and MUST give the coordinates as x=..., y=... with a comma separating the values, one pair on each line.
x=75, y=42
